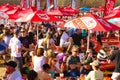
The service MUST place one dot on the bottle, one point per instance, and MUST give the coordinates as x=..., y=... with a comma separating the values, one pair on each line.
x=62, y=76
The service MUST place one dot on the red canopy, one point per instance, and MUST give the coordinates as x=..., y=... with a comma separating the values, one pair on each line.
x=6, y=7
x=37, y=16
x=114, y=14
x=22, y=13
x=13, y=11
x=70, y=10
x=92, y=22
x=57, y=12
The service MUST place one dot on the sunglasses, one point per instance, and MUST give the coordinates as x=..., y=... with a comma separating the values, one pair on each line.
x=75, y=51
x=55, y=60
x=22, y=31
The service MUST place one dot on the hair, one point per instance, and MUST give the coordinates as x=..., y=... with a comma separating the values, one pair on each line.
x=40, y=52
x=50, y=53
x=46, y=67
x=74, y=47
x=32, y=75
x=50, y=60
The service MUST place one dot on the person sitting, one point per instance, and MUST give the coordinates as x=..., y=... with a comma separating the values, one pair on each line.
x=24, y=72
x=44, y=74
x=32, y=75
x=11, y=73
x=85, y=69
x=103, y=53
x=73, y=62
x=95, y=74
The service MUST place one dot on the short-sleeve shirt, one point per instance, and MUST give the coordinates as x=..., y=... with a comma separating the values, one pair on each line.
x=116, y=56
x=72, y=60
x=15, y=44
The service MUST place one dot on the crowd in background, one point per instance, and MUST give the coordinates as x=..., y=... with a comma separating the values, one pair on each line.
x=46, y=52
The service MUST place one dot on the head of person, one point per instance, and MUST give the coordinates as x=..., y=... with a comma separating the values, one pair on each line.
x=23, y=32
x=52, y=61
x=46, y=67
x=105, y=47
x=24, y=72
x=50, y=53
x=75, y=50
x=16, y=31
x=32, y=75
x=40, y=52
x=86, y=64
x=95, y=64
x=10, y=66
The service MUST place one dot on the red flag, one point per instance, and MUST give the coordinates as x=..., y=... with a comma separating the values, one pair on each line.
x=109, y=6
x=50, y=2
x=23, y=3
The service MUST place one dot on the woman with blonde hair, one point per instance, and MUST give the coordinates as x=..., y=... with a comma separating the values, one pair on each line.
x=38, y=59
x=54, y=69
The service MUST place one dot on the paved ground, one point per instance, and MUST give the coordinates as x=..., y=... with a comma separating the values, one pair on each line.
x=2, y=67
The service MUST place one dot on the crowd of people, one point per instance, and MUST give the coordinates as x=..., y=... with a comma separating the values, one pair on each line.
x=47, y=52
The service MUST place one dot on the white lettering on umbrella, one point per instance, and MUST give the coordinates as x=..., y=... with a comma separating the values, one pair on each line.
x=43, y=16
x=104, y=23
x=89, y=22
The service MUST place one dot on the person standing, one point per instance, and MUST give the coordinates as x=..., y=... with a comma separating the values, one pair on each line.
x=16, y=47
x=115, y=56
x=25, y=41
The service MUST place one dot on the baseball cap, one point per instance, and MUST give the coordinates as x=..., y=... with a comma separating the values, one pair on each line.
x=16, y=31
x=25, y=70
x=11, y=63
x=86, y=62
x=95, y=63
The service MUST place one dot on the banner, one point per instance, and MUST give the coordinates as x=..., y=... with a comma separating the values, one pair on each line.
x=48, y=4
x=74, y=3
x=109, y=6
x=27, y=3
x=55, y=4
x=38, y=5
x=23, y=3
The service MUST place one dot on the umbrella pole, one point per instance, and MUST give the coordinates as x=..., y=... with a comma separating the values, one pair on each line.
x=88, y=40
x=37, y=32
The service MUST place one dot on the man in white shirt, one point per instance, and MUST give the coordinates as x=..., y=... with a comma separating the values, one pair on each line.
x=16, y=46
x=64, y=40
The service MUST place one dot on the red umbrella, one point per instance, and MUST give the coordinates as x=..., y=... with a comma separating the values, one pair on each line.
x=22, y=13
x=13, y=11
x=114, y=14
x=6, y=7
x=70, y=10
x=57, y=12
x=92, y=22
x=37, y=16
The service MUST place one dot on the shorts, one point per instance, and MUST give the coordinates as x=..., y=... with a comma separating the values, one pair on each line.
x=115, y=76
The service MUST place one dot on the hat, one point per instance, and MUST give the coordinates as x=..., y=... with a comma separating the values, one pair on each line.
x=11, y=63
x=95, y=63
x=16, y=31
x=88, y=61
x=25, y=70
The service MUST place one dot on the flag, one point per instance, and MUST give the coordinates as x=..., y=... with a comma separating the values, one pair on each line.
x=38, y=4
x=109, y=6
x=48, y=4
x=74, y=2
x=23, y=3
x=27, y=3
x=55, y=4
